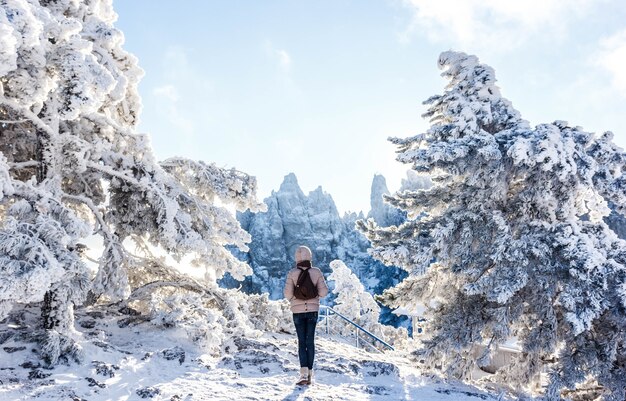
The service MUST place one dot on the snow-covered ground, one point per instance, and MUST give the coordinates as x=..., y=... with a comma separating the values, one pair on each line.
x=141, y=361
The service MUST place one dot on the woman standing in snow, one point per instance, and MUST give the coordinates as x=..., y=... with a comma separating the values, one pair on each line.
x=305, y=307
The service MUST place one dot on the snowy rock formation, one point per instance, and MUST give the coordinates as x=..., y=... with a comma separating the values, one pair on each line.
x=383, y=213
x=293, y=219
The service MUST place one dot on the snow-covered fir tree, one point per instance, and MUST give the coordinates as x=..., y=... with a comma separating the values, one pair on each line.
x=73, y=165
x=511, y=239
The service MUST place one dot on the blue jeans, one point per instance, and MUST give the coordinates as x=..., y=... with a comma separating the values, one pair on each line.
x=305, y=328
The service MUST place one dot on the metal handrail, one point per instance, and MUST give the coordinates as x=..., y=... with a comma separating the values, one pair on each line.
x=330, y=311
x=330, y=330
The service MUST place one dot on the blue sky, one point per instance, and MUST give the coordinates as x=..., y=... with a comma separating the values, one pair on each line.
x=316, y=87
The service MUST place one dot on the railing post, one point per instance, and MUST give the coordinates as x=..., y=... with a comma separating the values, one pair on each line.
x=327, y=321
x=356, y=331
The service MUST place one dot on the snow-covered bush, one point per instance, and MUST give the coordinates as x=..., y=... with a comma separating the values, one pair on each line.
x=57, y=347
x=72, y=164
x=203, y=324
x=512, y=240
x=210, y=316
x=267, y=315
x=256, y=312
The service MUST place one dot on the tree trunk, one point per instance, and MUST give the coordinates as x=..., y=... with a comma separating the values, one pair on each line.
x=50, y=322
x=57, y=310
x=51, y=298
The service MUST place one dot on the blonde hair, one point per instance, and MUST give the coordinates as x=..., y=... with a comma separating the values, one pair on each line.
x=303, y=253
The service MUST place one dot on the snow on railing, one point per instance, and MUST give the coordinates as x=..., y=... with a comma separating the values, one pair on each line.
x=329, y=312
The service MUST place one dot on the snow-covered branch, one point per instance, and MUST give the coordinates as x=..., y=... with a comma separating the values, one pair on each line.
x=20, y=165
x=13, y=121
x=189, y=285
x=29, y=115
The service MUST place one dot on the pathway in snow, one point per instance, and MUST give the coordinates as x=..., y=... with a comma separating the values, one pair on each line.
x=134, y=363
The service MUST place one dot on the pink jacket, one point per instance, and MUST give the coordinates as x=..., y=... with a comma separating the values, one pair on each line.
x=300, y=305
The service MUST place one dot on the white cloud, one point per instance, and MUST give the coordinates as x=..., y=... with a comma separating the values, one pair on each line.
x=178, y=97
x=176, y=62
x=168, y=92
x=281, y=56
x=497, y=25
x=168, y=102
x=612, y=57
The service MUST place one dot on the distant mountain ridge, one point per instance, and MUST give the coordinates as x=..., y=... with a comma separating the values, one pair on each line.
x=294, y=218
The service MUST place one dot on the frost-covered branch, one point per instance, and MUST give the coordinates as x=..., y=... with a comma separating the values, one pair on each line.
x=207, y=180
x=13, y=121
x=97, y=214
x=20, y=165
x=145, y=290
x=29, y=115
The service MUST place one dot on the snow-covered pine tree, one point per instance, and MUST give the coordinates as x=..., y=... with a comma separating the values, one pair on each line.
x=513, y=241
x=72, y=164
x=352, y=300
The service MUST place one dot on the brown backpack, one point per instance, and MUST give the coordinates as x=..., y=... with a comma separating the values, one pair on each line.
x=305, y=288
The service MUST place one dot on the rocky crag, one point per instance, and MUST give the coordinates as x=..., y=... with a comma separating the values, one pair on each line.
x=294, y=218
